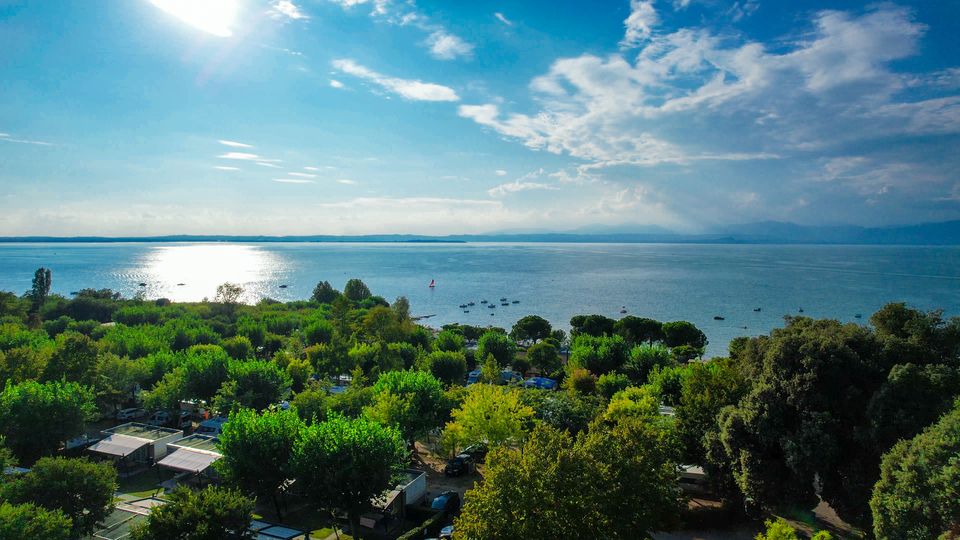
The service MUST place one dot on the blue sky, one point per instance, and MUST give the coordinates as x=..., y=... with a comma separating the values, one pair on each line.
x=382, y=116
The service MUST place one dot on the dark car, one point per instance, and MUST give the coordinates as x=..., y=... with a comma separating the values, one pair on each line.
x=448, y=501
x=477, y=451
x=461, y=464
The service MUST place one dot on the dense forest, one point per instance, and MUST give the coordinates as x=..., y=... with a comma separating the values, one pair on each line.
x=863, y=418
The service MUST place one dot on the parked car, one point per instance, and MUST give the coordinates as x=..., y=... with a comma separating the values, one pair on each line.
x=131, y=414
x=212, y=427
x=473, y=377
x=446, y=532
x=460, y=465
x=164, y=418
x=542, y=383
x=477, y=451
x=507, y=377
x=448, y=501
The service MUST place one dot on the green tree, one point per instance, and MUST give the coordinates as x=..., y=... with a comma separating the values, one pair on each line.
x=382, y=324
x=916, y=495
x=228, y=294
x=679, y=333
x=499, y=345
x=637, y=330
x=581, y=381
x=28, y=521
x=544, y=357
x=40, y=289
x=312, y=403
x=644, y=358
x=449, y=341
x=599, y=354
x=36, y=418
x=532, y=327
x=81, y=489
x=74, y=358
x=320, y=331
x=213, y=513
x=256, y=451
x=611, y=383
x=343, y=463
x=238, y=347
x=449, y=367
x=779, y=529
x=356, y=290
x=324, y=293
x=116, y=380
x=407, y=400
x=254, y=384
x=299, y=371
x=490, y=414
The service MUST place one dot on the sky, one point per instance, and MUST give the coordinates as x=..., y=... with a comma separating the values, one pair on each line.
x=288, y=117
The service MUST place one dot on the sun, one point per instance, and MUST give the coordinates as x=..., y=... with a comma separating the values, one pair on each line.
x=212, y=16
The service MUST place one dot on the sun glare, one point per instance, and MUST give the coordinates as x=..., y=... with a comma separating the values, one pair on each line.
x=212, y=16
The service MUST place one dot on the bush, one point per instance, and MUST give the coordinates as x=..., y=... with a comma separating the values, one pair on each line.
x=611, y=383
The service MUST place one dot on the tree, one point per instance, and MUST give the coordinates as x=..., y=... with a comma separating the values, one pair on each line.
x=448, y=367
x=254, y=384
x=36, y=418
x=916, y=495
x=532, y=327
x=544, y=357
x=28, y=521
x=490, y=414
x=449, y=341
x=213, y=513
x=204, y=371
x=407, y=400
x=40, y=289
x=238, y=347
x=73, y=359
x=401, y=307
x=912, y=398
x=116, y=380
x=611, y=383
x=343, y=463
x=637, y=330
x=499, y=345
x=779, y=529
x=81, y=489
x=382, y=324
x=565, y=411
x=679, y=333
x=317, y=332
x=581, y=381
x=324, y=293
x=311, y=403
x=644, y=358
x=591, y=325
x=599, y=354
x=228, y=293
x=356, y=290
x=256, y=451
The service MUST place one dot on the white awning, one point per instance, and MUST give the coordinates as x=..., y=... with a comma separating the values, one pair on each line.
x=119, y=445
x=187, y=460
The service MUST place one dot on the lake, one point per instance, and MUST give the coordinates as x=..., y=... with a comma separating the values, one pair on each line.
x=555, y=281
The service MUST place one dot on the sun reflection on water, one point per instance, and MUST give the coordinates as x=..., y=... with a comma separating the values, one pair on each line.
x=188, y=273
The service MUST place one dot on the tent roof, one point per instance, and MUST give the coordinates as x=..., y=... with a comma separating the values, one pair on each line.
x=119, y=445
x=188, y=460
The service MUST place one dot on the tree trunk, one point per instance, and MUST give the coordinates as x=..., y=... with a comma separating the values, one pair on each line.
x=276, y=506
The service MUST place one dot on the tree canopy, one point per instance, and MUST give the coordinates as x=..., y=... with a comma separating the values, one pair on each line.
x=212, y=513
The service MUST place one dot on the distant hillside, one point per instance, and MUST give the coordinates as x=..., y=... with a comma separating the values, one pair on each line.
x=768, y=232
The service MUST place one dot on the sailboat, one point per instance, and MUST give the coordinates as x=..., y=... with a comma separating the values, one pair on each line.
x=433, y=283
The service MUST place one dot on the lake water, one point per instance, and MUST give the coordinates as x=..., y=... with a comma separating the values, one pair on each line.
x=555, y=281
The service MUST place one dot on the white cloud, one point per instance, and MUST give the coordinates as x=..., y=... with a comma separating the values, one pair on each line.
x=335, y=83
x=407, y=88
x=311, y=168
x=225, y=168
x=502, y=18
x=346, y=181
x=293, y=181
x=286, y=8
x=500, y=172
x=235, y=144
x=524, y=183
x=640, y=23
x=268, y=164
x=446, y=46
x=245, y=156
x=5, y=137
x=302, y=175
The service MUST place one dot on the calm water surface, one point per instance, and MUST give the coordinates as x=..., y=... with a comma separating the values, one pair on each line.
x=556, y=281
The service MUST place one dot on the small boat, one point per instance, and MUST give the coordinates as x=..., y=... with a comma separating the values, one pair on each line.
x=143, y=284
x=505, y=304
x=483, y=301
x=466, y=311
x=858, y=316
x=492, y=314
x=180, y=284
x=284, y=286
x=461, y=306
x=623, y=311
x=718, y=318
x=433, y=284
x=504, y=299
x=491, y=306
x=756, y=309
x=515, y=302
x=800, y=310
x=74, y=292
x=470, y=304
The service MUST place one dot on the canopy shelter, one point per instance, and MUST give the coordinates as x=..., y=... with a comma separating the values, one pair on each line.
x=119, y=445
x=188, y=461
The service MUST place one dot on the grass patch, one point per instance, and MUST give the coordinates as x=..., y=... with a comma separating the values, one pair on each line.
x=144, y=484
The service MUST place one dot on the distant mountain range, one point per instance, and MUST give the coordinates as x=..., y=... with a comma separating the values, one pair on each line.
x=767, y=232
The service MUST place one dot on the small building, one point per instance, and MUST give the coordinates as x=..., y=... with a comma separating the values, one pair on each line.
x=693, y=479
x=136, y=443
x=193, y=454
x=390, y=508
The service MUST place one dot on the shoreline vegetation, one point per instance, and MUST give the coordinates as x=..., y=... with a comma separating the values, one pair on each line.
x=340, y=392
x=945, y=233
